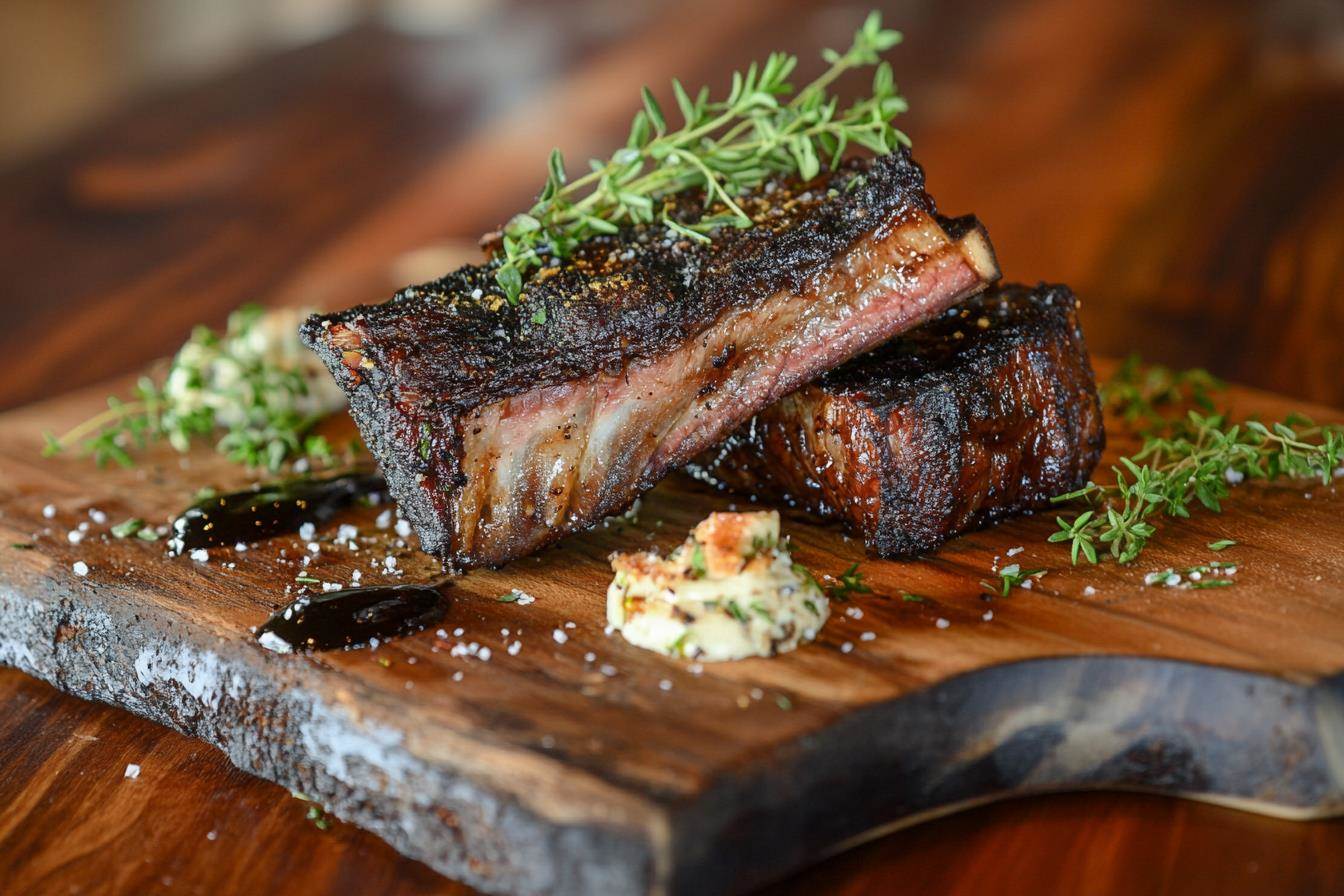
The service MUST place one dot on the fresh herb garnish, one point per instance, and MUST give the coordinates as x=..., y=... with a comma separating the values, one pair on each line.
x=1142, y=394
x=759, y=609
x=1010, y=577
x=22, y=546
x=1194, y=576
x=318, y=818
x=507, y=598
x=678, y=647
x=1221, y=544
x=913, y=598
x=697, y=561
x=848, y=582
x=735, y=611
x=128, y=527
x=307, y=580
x=1186, y=459
x=255, y=383
x=763, y=128
x=783, y=702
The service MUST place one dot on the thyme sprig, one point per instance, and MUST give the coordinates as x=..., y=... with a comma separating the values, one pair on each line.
x=1186, y=460
x=849, y=582
x=724, y=147
x=1012, y=576
x=1143, y=395
x=255, y=384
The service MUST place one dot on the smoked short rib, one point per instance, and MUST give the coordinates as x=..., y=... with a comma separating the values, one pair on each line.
x=986, y=412
x=501, y=428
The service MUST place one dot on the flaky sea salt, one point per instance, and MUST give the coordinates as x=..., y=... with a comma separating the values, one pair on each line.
x=80, y=568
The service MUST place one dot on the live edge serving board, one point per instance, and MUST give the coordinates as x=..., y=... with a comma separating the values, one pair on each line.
x=590, y=766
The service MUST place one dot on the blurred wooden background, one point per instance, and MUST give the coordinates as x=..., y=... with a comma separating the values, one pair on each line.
x=1180, y=164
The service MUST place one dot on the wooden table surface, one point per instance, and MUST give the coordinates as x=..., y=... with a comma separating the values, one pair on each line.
x=1183, y=168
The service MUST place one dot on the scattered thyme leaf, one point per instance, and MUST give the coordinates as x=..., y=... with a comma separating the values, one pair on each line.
x=783, y=702
x=1010, y=577
x=509, y=598
x=22, y=545
x=913, y=598
x=848, y=582
x=698, y=567
x=1222, y=544
x=128, y=527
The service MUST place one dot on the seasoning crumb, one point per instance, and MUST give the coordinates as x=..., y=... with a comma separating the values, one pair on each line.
x=559, y=636
x=80, y=568
x=200, y=555
x=49, y=511
x=868, y=636
x=942, y=623
x=846, y=647
x=665, y=685
x=988, y=615
x=132, y=770
x=1089, y=591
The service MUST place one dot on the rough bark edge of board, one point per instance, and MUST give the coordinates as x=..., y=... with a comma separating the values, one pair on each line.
x=1089, y=722
x=357, y=768
x=1033, y=726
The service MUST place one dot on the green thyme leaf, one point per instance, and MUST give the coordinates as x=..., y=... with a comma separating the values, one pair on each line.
x=252, y=389
x=1192, y=455
x=762, y=129
x=128, y=528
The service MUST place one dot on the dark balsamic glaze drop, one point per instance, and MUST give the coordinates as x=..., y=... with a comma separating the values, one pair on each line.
x=349, y=619
x=270, y=509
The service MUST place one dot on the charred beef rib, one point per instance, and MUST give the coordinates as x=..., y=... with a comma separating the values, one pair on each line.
x=988, y=411
x=500, y=428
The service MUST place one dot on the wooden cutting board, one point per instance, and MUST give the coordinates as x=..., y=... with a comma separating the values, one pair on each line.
x=590, y=766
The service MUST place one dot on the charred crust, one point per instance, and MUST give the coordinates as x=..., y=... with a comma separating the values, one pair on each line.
x=618, y=299
x=985, y=412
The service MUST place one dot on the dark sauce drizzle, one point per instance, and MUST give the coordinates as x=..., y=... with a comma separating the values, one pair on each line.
x=267, y=510
x=349, y=619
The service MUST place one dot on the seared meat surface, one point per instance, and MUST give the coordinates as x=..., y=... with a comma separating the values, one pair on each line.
x=988, y=411
x=501, y=428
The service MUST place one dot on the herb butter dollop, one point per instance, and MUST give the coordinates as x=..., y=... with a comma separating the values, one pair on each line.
x=730, y=591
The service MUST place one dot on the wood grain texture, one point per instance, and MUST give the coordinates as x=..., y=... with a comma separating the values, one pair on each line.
x=571, y=768
x=1178, y=164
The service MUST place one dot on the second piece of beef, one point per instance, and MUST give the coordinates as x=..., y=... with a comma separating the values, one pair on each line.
x=988, y=411
x=500, y=428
